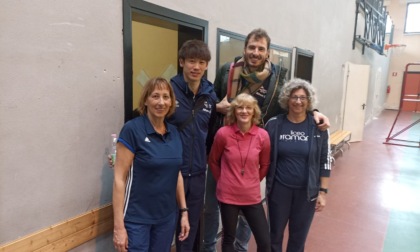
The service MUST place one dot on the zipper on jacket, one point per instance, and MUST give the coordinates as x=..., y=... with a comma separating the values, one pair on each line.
x=193, y=137
x=309, y=160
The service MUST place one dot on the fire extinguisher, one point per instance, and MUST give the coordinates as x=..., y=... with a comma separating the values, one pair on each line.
x=388, y=89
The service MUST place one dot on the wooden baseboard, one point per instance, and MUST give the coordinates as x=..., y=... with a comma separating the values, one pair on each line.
x=66, y=235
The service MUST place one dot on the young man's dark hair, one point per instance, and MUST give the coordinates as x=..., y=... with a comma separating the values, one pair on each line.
x=194, y=49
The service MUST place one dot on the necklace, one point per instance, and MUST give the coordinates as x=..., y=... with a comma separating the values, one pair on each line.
x=243, y=162
x=161, y=130
x=160, y=126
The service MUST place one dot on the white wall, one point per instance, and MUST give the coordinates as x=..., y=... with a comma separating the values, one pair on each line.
x=324, y=27
x=61, y=96
x=61, y=91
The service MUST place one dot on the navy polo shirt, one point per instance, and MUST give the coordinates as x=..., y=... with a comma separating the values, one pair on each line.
x=151, y=184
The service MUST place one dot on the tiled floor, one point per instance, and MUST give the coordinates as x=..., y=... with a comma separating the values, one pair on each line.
x=374, y=199
x=375, y=193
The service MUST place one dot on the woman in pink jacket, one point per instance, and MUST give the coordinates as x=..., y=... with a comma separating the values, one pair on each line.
x=239, y=160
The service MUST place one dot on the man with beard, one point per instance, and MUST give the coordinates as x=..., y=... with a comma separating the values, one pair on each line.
x=256, y=75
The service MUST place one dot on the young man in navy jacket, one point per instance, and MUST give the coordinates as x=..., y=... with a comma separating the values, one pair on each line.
x=195, y=105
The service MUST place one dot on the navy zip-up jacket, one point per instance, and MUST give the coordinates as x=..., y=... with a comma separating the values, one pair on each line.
x=192, y=117
x=319, y=159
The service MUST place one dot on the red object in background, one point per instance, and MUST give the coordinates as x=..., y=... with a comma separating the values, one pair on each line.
x=388, y=89
x=410, y=92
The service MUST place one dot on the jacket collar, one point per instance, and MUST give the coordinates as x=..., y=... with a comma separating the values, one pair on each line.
x=149, y=127
x=205, y=86
x=252, y=131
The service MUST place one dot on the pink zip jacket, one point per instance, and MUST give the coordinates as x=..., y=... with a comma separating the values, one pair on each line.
x=238, y=163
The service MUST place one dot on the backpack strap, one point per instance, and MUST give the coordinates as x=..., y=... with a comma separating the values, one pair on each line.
x=274, y=90
x=231, y=88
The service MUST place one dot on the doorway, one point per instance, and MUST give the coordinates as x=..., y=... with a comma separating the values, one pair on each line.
x=356, y=82
x=152, y=37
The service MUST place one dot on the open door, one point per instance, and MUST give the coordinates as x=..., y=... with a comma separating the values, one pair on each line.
x=152, y=37
x=356, y=86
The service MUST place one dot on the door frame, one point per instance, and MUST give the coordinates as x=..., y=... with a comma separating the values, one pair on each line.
x=148, y=9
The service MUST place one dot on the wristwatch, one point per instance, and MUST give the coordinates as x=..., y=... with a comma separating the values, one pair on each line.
x=325, y=190
x=185, y=209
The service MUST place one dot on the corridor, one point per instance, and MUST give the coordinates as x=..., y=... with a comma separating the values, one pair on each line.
x=374, y=195
x=373, y=204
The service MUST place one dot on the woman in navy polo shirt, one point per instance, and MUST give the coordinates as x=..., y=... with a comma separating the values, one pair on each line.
x=147, y=178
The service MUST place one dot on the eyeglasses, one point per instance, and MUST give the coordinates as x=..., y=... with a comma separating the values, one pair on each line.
x=296, y=98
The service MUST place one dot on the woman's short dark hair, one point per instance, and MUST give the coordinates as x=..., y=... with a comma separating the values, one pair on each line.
x=151, y=85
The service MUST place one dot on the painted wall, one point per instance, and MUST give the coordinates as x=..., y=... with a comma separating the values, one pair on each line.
x=326, y=28
x=61, y=92
x=61, y=97
x=400, y=56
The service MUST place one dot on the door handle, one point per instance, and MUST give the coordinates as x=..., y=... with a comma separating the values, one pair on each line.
x=363, y=106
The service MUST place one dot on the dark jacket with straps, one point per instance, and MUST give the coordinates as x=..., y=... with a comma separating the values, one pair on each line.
x=192, y=117
x=319, y=158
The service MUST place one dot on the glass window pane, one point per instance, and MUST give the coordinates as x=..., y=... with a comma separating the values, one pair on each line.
x=412, y=22
x=229, y=48
x=388, y=24
x=282, y=58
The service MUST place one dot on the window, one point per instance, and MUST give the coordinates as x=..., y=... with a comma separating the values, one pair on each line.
x=229, y=46
x=412, y=20
x=303, y=64
x=282, y=56
x=389, y=24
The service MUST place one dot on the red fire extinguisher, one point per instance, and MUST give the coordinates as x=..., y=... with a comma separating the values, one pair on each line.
x=388, y=89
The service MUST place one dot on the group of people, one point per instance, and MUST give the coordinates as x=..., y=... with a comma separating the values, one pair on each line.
x=161, y=166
